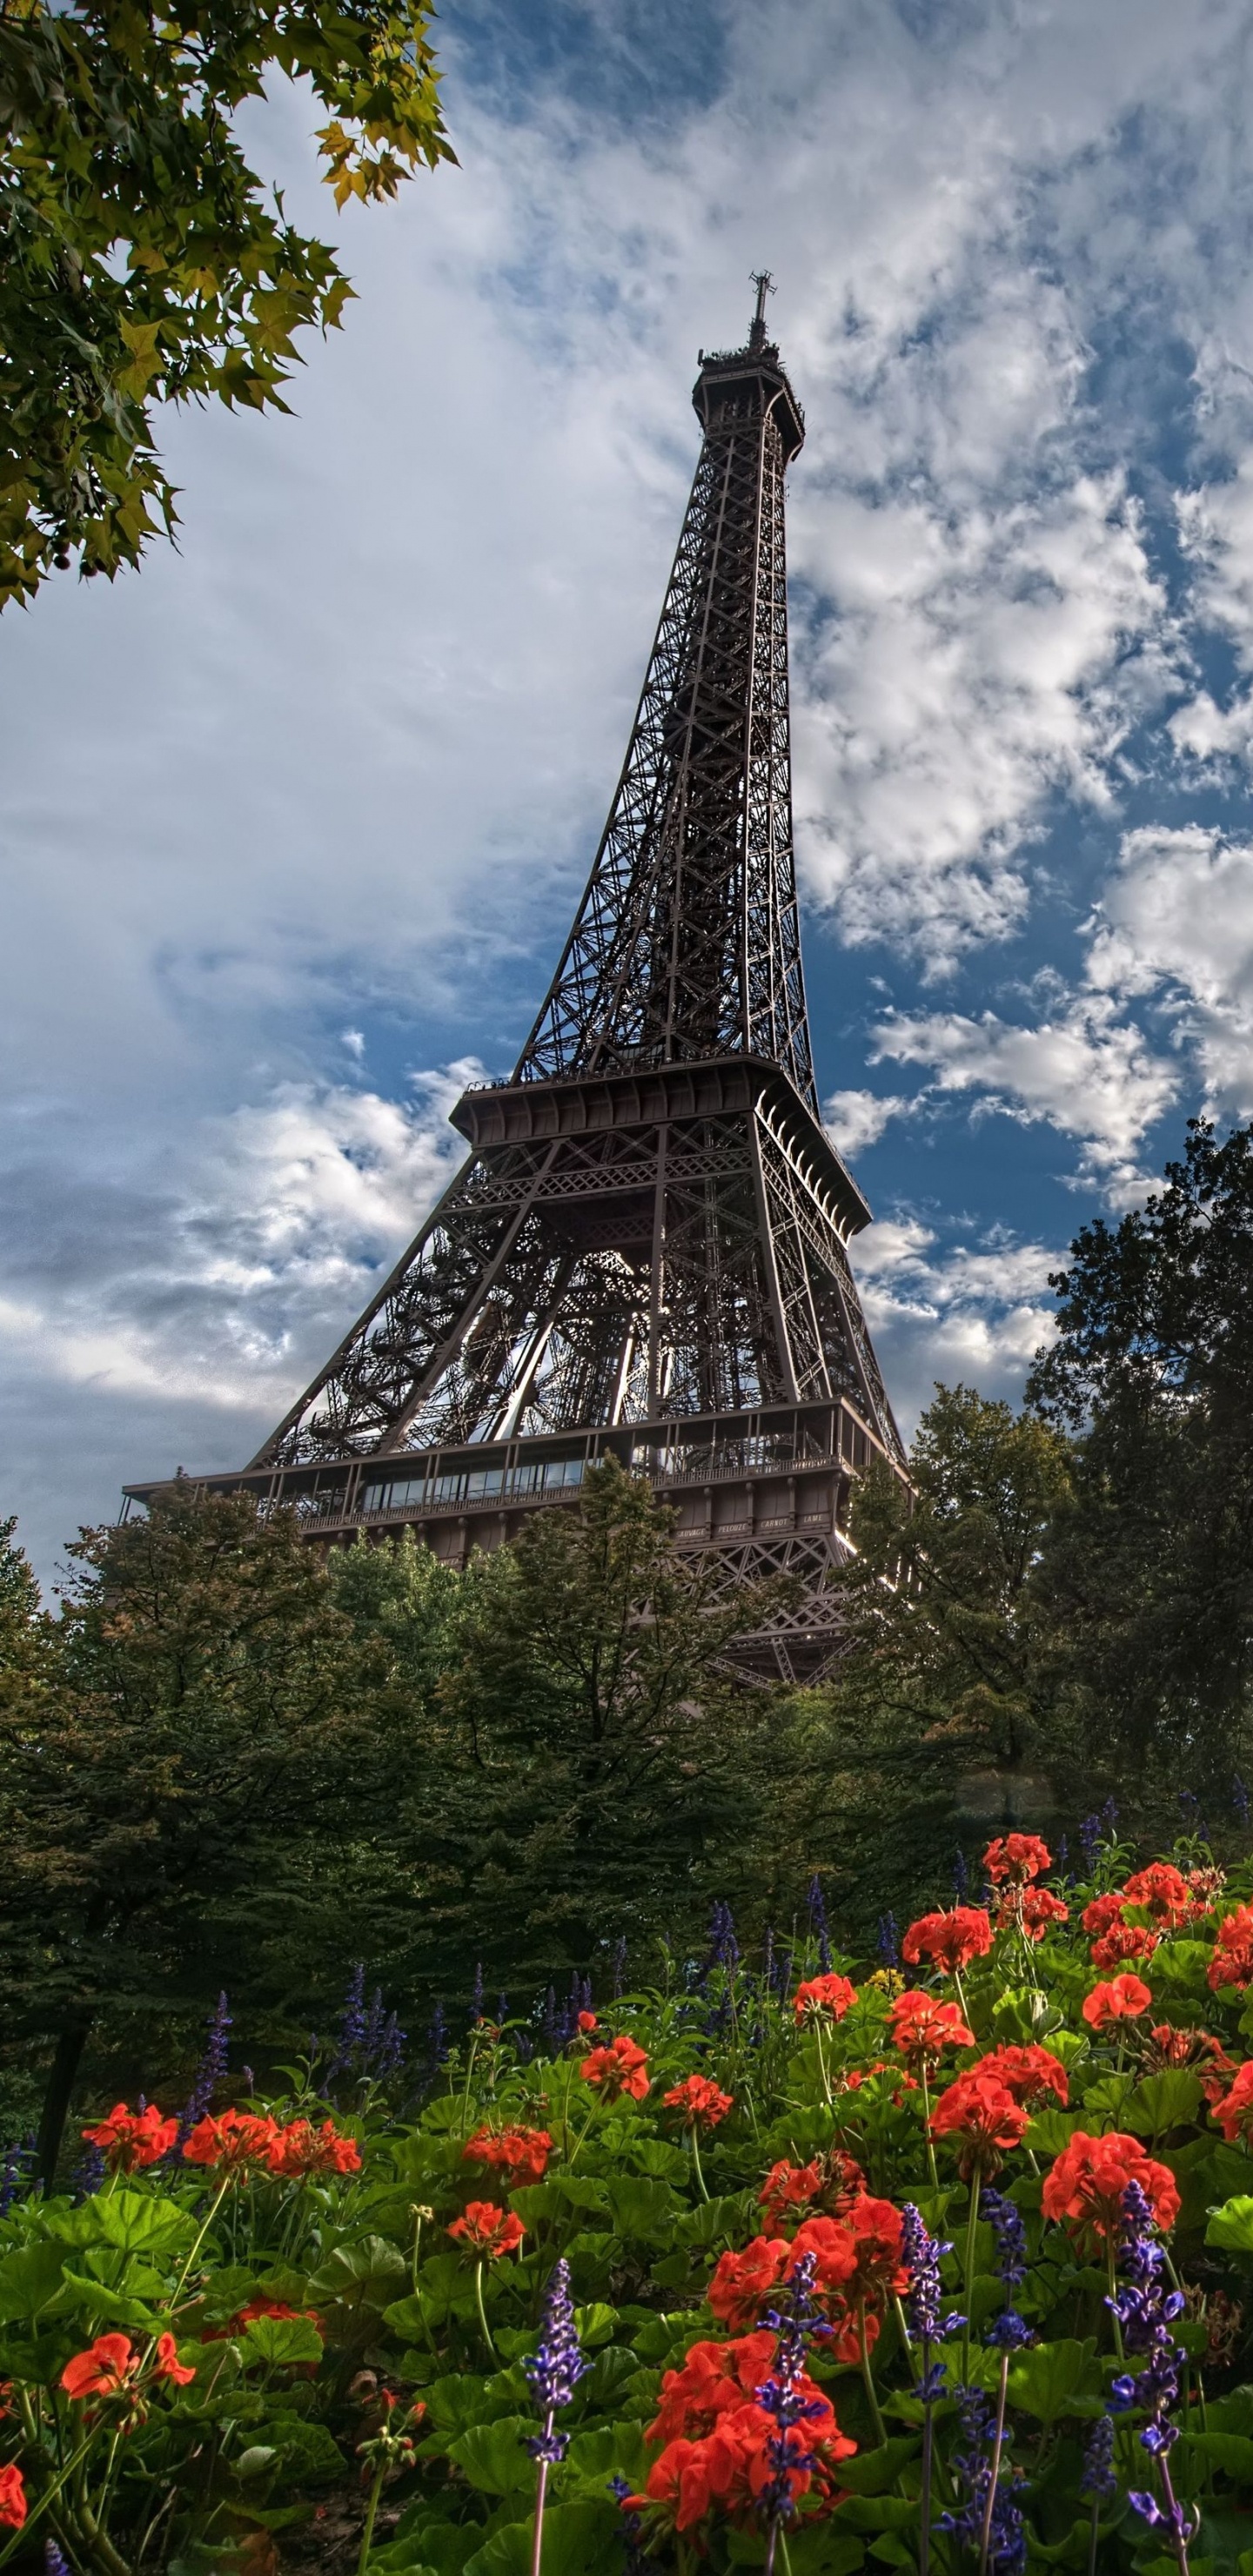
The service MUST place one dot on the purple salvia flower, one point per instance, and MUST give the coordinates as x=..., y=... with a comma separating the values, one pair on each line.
x=631, y=2532
x=1098, y=2479
x=889, y=1941
x=618, y=1963
x=554, y=2371
x=1239, y=1799
x=476, y=2001
x=55, y=2561
x=961, y=1877
x=1146, y=2311
x=1089, y=1841
x=781, y=2396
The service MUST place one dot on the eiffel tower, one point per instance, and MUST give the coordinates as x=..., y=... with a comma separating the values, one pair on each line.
x=644, y=1253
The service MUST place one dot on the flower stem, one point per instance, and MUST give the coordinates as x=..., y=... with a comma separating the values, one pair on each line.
x=880, y=2432
x=367, y=2528
x=926, y=2123
x=985, y=2535
x=540, y=2493
x=928, y=2430
x=478, y=2301
x=696, y=2166
x=968, y=2269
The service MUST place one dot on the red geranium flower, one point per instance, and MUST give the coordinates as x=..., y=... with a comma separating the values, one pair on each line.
x=620, y=2068
x=951, y=1940
x=1124, y=1941
x=1029, y=2073
x=300, y=2150
x=1232, y=1963
x=133, y=2139
x=1102, y=1914
x=1085, y=2184
x=824, y=1995
x=714, y=2379
x=700, y=2102
x=983, y=2117
x=831, y=2184
x=233, y=2140
x=105, y=2370
x=586, y=2022
x=1123, y=1999
x=729, y=2468
x=517, y=2155
x=1014, y=1858
x=1034, y=1908
x=869, y=2265
x=1163, y=1890
x=488, y=2231
x=1197, y=2050
x=922, y=2028
x=1235, y=2114
x=12, y=2498
x=168, y=2365
x=742, y=2282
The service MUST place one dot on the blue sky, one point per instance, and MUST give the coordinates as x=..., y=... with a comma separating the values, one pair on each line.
x=293, y=822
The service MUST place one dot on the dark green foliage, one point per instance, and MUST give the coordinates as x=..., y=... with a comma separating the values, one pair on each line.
x=140, y=258
x=1147, y=1589
x=940, y=1678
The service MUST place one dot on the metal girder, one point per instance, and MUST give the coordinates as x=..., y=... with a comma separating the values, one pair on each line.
x=651, y=1226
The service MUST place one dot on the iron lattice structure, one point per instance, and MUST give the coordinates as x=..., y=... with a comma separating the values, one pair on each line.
x=645, y=1252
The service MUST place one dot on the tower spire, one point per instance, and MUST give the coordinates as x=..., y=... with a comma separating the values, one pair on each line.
x=764, y=283
x=645, y=1253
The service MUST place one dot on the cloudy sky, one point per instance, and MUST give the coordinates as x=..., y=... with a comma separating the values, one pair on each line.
x=293, y=821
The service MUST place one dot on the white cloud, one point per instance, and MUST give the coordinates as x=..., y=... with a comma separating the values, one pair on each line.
x=1176, y=922
x=952, y=1311
x=1084, y=1071
x=284, y=1218
x=854, y=1119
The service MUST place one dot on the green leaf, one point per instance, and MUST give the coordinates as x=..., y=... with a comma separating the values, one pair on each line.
x=875, y=2513
x=29, y=2278
x=1232, y=2225
x=1177, y=1965
x=1046, y=2381
x=643, y=2211
x=579, y=2540
x=135, y=2220
x=493, y=2456
x=1050, y=2131
x=870, y=2472
x=407, y=2318
x=1170, y=2100
x=595, y=2324
x=283, y=2341
x=1231, y=2452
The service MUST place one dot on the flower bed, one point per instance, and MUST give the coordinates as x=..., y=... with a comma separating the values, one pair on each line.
x=807, y=2266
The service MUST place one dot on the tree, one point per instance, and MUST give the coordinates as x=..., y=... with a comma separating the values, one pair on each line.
x=940, y=1675
x=188, y=1719
x=597, y=1764
x=1148, y=1578
x=140, y=260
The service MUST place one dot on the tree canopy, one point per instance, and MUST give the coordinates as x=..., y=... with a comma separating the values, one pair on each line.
x=142, y=259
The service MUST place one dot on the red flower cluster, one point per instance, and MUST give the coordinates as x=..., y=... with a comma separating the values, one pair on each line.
x=1235, y=2113
x=110, y=2367
x=1232, y=1963
x=830, y=2184
x=132, y=2139
x=1164, y=1893
x=700, y=2101
x=301, y=2150
x=949, y=1940
x=1031, y=1909
x=922, y=2028
x=984, y=2118
x=235, y=2140
x=1029, y=2074
x=857, y=2267
x=727, y=2469
x=1197, y=2050
x=12, y=2498
x=488, y=2231
x=1102, y=1913
x=1085, y=2185
x=1123, y=1999
x=516, y=2155
x=1014, y=1858
x=620, y=2068
x=826, y=1996
x=1124, y=1941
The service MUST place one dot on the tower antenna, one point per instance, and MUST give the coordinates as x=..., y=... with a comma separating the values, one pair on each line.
x=764, y=284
